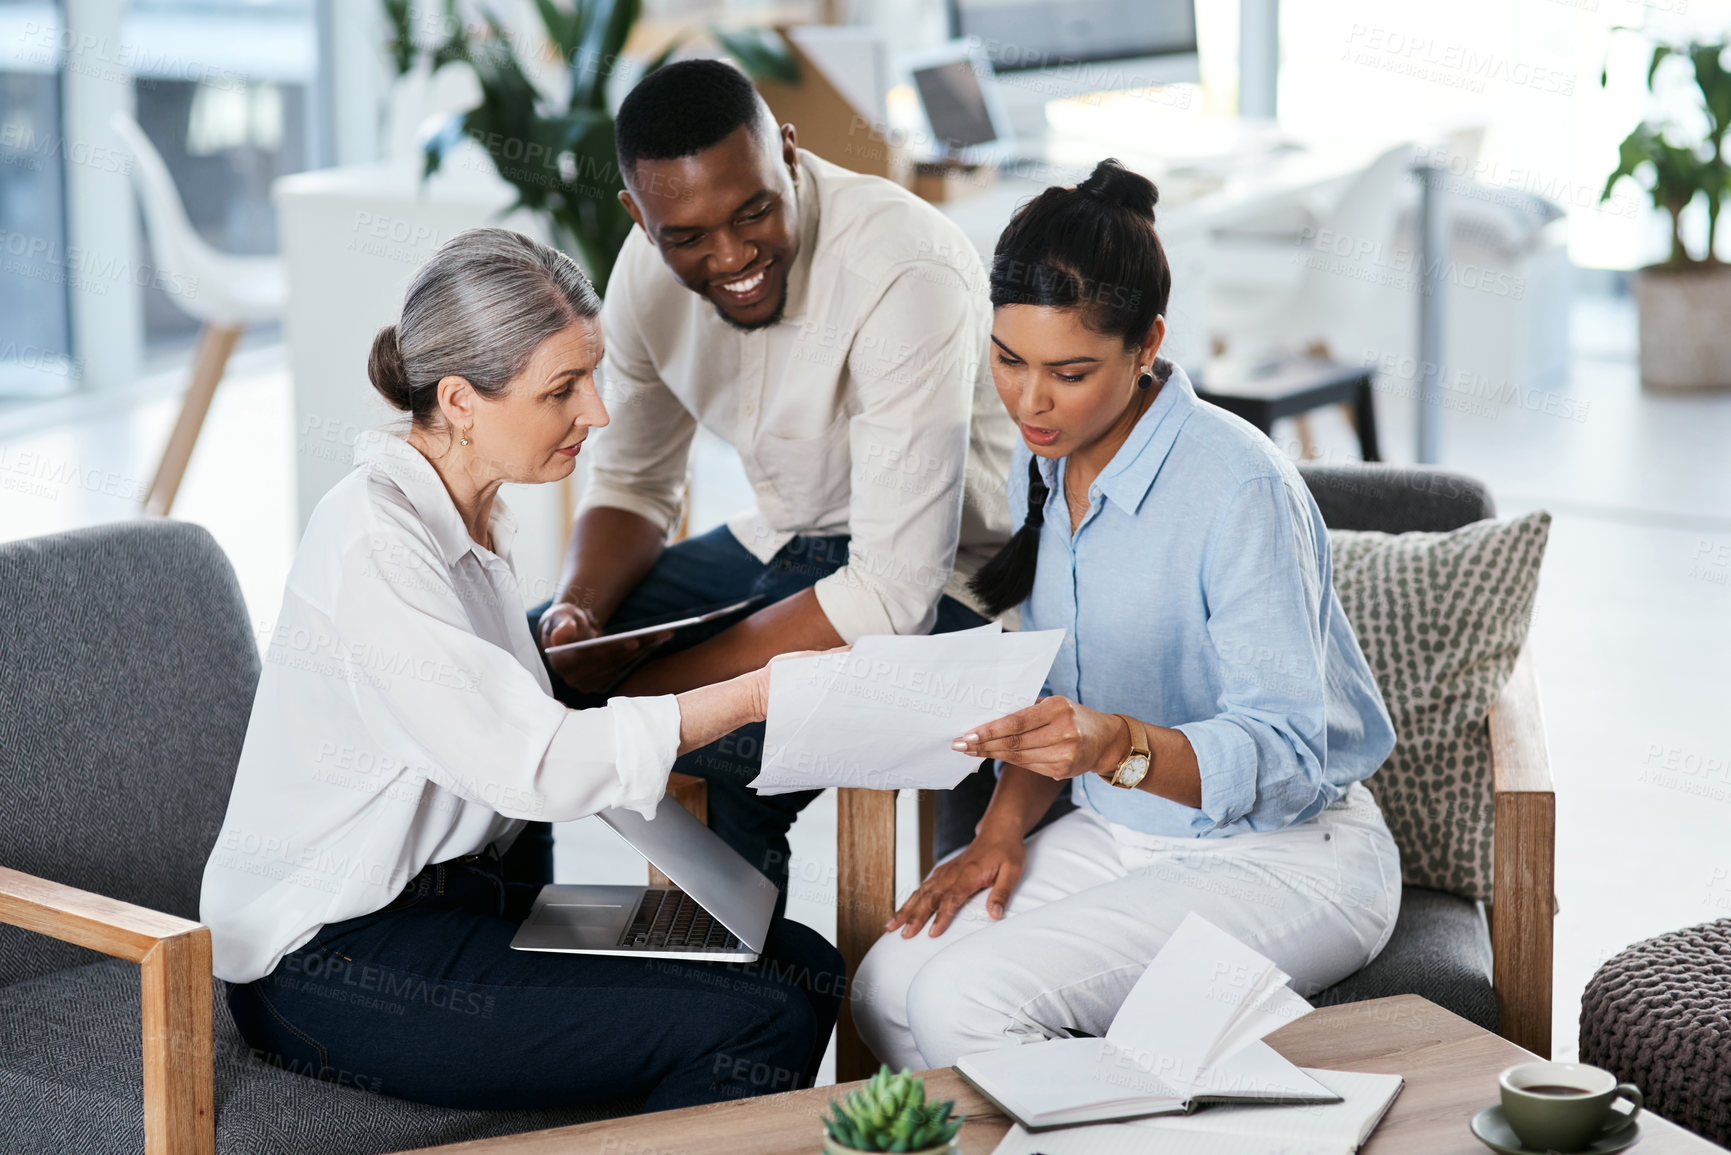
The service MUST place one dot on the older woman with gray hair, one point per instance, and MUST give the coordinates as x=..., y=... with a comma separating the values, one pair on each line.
x=388, y=825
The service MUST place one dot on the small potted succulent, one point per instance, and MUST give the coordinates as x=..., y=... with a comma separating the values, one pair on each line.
x=890, y=1113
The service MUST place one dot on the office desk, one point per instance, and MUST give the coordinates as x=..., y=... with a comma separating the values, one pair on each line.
x=1450, y=1067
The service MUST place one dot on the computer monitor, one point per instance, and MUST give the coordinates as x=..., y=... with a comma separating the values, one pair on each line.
x=1043, y=50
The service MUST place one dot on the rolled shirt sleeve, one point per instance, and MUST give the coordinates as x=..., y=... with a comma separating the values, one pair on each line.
x=481, y=724
x=637, y=464
x=909, y=446
x=1261, y=757
x=646, y=740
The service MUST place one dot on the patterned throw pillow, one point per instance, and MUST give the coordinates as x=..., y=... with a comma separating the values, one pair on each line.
x=1441, y=618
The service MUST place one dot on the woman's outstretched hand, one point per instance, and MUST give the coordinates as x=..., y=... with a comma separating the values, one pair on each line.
x=1055, y=737
x=990, y=860
x=708, y=712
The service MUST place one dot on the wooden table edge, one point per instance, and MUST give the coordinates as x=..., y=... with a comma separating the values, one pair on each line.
x=1455, y=1076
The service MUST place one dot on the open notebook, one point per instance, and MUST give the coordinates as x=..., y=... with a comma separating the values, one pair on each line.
x=1316, y=1129
x=1188, y=1034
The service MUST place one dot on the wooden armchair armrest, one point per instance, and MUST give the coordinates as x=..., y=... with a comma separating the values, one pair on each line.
x=865, y=896
x=1523, y=904
x=174, y=961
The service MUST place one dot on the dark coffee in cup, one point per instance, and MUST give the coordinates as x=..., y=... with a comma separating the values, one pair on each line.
x=1564, y=1106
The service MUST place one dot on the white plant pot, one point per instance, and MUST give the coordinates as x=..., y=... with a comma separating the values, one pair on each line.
x=831, y=1147
x=1685, y=321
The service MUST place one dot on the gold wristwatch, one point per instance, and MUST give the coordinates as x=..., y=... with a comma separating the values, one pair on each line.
x=1135, y=765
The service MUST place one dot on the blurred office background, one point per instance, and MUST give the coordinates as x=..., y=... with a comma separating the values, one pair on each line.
x=1285, y=135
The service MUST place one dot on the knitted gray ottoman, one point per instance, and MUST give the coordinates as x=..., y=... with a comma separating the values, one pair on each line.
x=1659, y=1016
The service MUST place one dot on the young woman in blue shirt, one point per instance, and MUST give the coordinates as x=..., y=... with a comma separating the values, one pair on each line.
x=1210, y=711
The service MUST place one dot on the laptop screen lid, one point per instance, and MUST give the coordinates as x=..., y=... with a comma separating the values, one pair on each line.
x=698, y=862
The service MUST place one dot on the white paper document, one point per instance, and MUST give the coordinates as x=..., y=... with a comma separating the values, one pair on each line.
x=882, y=715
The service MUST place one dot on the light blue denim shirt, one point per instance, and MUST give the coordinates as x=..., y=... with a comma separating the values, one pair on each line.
x=1197, y=594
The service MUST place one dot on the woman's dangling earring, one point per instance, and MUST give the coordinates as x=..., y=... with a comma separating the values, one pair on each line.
x=465, y=439
x=1146, y=381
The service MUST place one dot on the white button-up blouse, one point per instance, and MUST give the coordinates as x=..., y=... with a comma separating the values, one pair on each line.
x=403, y=717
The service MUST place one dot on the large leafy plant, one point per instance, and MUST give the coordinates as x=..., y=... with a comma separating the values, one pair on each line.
x=1676, y=164
x=558, y=155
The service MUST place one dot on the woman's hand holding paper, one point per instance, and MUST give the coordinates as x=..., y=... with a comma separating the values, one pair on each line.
x=1055, y=737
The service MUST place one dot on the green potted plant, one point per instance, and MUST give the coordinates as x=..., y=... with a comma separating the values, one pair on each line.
x=1684, y=300
x=890, y=1113
x=558, y=155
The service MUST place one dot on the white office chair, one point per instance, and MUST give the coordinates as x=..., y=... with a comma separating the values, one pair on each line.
x=1316, y=294
x=225, y=292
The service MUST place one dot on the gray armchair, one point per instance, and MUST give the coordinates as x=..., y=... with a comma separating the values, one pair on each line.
x=1496, y=973
x=127, y=680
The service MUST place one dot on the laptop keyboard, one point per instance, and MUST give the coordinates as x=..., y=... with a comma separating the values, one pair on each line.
x=669, y=919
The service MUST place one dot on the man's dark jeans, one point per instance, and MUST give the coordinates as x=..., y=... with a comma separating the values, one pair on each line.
x=713, y=570
x=425, y=1000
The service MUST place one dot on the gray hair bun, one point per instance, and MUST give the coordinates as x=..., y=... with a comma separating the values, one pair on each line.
x=385, y=370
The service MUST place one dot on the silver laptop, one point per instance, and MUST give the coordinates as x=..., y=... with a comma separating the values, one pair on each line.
x=717, y=910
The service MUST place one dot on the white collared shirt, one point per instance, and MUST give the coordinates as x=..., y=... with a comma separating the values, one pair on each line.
x=867, y=410
x=403, y=717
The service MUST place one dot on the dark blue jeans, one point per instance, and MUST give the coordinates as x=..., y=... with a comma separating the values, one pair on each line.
x=425, y=1000
x=711, y=570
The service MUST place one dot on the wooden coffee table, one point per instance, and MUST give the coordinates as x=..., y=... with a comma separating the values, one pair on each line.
x=1449, y=1064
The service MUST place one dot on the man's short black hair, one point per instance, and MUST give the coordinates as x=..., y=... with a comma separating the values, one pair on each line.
x=680, y=110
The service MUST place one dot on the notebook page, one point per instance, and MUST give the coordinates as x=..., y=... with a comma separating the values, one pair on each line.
x=1274, y=1009
x=1124, y=1139
x=1258, y=1072
x=1187, y=999
x=1061, y=1076
x=1342, y=1126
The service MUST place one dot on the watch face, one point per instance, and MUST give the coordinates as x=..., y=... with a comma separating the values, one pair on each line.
x=1133, y=770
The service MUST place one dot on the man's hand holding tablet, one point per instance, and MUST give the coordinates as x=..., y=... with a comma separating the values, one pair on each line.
x=593, y=661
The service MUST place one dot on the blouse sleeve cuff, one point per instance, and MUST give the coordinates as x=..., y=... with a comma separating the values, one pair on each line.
x=645, y=740
x=1226, y=763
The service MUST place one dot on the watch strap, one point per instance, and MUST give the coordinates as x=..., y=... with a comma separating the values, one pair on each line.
x=1138, y=736
x=1138, y=746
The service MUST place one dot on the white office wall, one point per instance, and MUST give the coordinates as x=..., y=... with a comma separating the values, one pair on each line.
x=1527, y=69
x=101, y=223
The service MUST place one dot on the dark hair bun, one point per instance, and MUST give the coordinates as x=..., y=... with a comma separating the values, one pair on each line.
x=385, y=370
x=1117, y=185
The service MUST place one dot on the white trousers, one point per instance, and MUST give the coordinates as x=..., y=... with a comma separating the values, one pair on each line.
x=1095, y=904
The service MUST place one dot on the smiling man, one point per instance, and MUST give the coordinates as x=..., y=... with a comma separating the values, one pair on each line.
x=832, y=328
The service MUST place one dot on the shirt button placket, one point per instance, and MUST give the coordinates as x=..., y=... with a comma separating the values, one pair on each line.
x=756, y=365
x=1075, y=546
